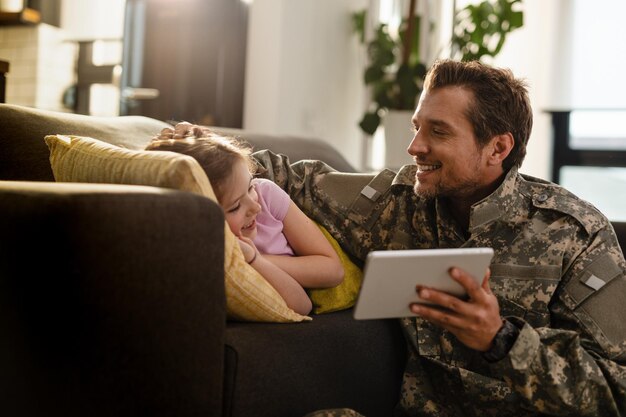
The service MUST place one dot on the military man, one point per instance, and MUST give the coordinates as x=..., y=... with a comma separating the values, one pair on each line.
x=544, y=334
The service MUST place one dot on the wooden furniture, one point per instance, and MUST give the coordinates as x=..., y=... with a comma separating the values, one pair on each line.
x=4, y=68
x=25, y=17
x=565, y=155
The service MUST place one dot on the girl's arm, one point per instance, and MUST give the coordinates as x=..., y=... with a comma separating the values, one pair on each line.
x=317, y=264
x=288, y=288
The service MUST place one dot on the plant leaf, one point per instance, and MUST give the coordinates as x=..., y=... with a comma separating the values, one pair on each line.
x=358, y=24
x=370, y=122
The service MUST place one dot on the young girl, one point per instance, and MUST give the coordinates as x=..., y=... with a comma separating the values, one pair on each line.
x=276, y=237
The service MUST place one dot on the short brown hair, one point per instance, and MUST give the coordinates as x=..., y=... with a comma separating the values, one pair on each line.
x=500, y=102
x=216, y=154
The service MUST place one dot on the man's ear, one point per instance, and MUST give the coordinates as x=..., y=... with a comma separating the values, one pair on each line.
x=500, y=147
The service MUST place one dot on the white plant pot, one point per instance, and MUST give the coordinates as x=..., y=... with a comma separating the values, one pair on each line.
x=397, y=125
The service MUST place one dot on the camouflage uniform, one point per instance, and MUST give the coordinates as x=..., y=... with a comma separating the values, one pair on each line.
x=558, y=273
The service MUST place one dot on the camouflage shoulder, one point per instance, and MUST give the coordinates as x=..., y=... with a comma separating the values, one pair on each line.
x=550, y=196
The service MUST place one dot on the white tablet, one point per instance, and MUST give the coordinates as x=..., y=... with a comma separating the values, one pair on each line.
x=390, y=278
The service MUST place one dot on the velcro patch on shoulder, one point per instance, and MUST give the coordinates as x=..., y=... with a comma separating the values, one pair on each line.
x=366, y=206
x=599, y=305
x=593, y=278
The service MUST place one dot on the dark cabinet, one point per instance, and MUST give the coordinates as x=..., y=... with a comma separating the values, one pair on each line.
x=185, y=60
x=565, y=153
x=4, y=68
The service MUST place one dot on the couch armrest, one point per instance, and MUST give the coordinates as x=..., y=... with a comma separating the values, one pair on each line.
x=111, y=301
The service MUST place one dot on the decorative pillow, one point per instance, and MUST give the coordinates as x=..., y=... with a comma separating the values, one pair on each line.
x=344, y=295
x=249, y=297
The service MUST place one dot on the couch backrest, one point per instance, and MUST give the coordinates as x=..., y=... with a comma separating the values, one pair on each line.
x=296, y=147
x=24, y=154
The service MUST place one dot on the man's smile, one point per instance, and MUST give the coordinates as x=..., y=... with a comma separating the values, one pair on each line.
x=427, y=167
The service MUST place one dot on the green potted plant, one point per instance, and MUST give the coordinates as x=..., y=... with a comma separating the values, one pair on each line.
x=395, y=70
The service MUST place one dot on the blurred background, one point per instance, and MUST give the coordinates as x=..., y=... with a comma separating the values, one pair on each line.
x=297, y=67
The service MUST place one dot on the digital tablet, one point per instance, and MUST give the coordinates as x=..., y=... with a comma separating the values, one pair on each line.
x=390, y=278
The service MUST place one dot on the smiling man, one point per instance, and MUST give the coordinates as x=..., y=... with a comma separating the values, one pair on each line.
x=544, y=333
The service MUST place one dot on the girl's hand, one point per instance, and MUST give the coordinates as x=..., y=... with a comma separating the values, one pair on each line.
x=248, y=248
x=288, y=288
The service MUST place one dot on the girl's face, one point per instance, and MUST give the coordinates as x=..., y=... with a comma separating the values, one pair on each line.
x=240, y=201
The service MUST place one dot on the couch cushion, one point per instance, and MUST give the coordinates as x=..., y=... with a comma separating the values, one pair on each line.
x=249, y=296
x=333, y=361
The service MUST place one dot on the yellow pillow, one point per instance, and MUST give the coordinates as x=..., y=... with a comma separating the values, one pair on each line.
x=249, y=297
x=344, y=295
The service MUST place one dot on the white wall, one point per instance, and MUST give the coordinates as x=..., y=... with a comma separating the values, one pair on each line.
x=598, y=59
x=303, y=72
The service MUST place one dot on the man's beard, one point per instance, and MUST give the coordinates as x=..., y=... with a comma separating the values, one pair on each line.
x=459, y=190
x=462, y=188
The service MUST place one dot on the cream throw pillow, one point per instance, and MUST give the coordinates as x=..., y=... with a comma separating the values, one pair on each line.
x=249, y=297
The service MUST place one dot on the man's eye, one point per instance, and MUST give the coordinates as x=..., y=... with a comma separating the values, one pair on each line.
x=438, y=132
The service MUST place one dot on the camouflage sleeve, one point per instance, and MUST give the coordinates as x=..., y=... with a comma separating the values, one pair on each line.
x=577, y=366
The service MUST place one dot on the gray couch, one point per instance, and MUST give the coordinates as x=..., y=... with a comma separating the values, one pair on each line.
x=112, y=298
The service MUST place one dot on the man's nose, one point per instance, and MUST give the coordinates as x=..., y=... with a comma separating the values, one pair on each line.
x=418, y=145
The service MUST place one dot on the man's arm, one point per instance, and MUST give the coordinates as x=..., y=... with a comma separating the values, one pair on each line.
x=574, y=367
x=577, y=365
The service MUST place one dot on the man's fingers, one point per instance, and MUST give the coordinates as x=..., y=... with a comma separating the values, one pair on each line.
x=442, y=318
x=167, y=131
x=444, y=300
x=476, y=292
x=181, y=129
x=485, y=285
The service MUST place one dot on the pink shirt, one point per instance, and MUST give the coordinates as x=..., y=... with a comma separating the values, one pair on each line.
x=274, y=203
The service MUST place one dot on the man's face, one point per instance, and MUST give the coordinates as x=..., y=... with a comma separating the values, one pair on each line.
x=444, y=147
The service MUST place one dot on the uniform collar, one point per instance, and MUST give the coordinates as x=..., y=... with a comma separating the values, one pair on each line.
x=499, y=204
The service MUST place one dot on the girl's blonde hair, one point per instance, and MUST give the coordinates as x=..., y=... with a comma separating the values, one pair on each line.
x=216, y=154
